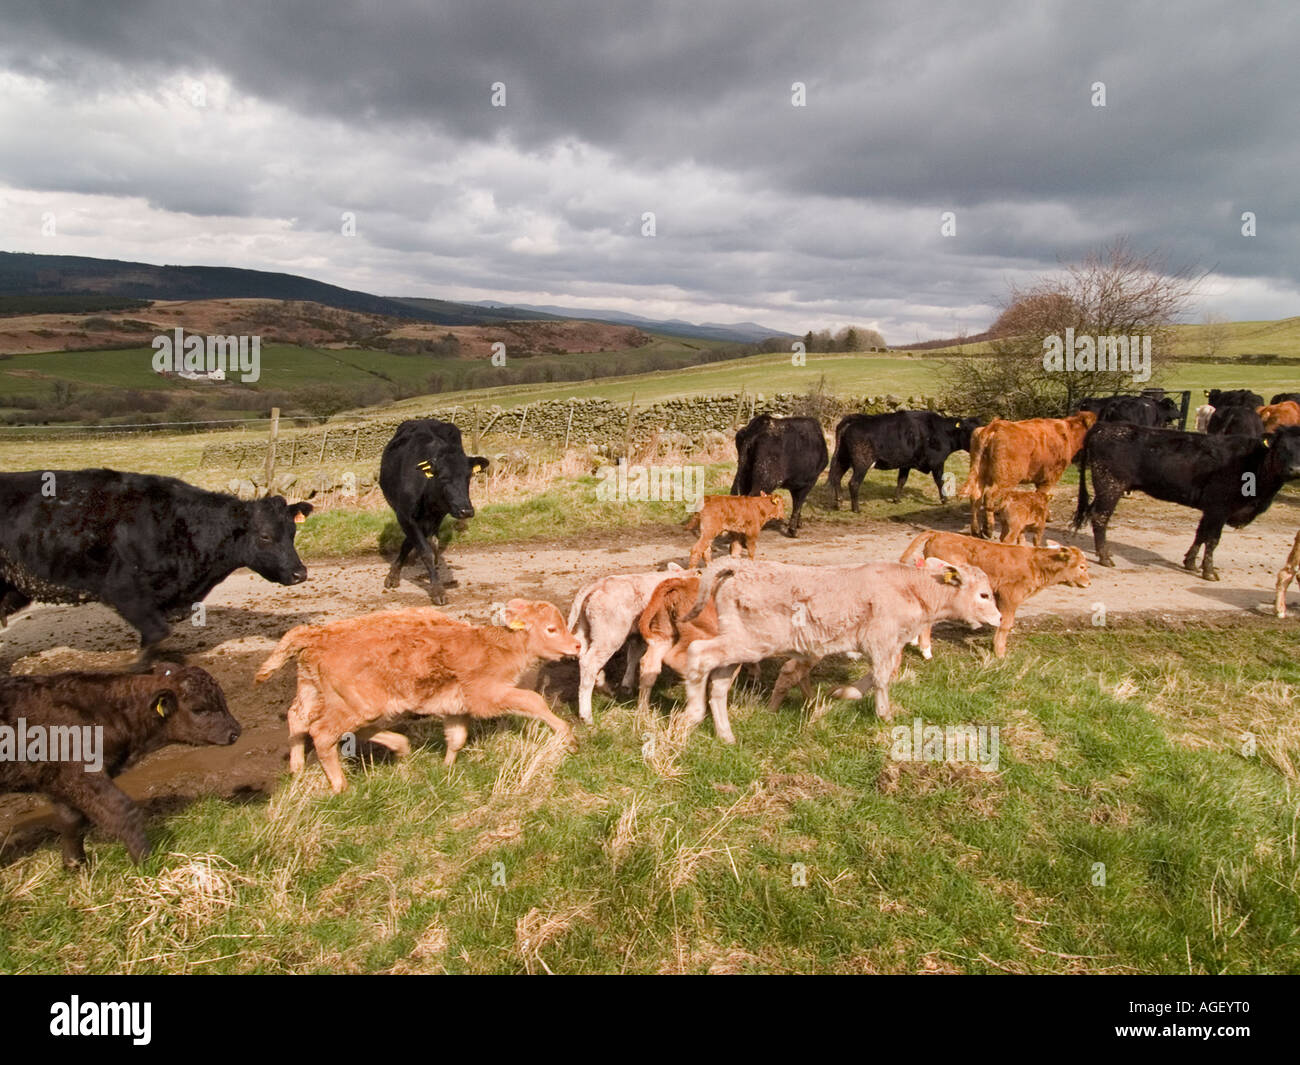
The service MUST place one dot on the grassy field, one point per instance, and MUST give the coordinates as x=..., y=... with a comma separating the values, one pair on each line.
x=1126, y=829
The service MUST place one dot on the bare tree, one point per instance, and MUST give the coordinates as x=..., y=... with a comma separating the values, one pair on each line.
x=1115, y=292
x=1214, y=334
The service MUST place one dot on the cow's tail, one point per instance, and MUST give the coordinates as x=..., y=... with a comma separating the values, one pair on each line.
x=692, y=523
x=710, y=580
x=971, y=489
x=653, y=619
x=1084, y=509
x=917, y=547
x=575, y=615
x=288, y=647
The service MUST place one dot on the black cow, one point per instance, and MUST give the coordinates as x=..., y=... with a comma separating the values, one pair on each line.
x=424, y=474
x=774, y=453
x=1229, y=479
x=150, y=547
x=1284, y=397
x=905, y=440
x=1136, y=410
x=90, y=727
x=1235, y=420
x=1240, y=397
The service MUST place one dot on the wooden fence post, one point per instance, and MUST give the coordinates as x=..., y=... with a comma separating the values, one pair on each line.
x=474, y=442
x=320, y=461
x=270, y=447
x=627, y=432
x=568, y=425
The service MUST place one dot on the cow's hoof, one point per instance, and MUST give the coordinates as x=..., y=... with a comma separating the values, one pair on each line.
x=1106, y=561
x=391, y=582
x=846, y=692
x=438, y=597
x=1211, y=574
x=792, y=533
x=571, y=744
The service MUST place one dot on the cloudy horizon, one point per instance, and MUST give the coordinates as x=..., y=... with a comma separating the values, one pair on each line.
x=227, y=135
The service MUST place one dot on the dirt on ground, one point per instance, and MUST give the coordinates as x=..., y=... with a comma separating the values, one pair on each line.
x=247, y=615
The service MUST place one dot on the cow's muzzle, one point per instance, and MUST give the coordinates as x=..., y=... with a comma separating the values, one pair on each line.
x=463, y=512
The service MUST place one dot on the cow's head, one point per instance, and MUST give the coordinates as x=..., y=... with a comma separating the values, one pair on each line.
x=973, y=594
x=450, y=470
x=771, y=506
x=548, y=635
x=1284, y=451
x=960, y=431
x=268, y=540
x=191, y=706
x=1067, y=566
x=1087, y=418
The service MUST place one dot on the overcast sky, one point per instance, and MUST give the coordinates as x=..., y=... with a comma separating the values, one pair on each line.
x=239, y=134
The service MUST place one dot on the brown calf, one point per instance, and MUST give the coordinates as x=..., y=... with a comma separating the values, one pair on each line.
x=668, y=636
x=359, y=674
x=743, y=515
x=1003, y=454
x=1017, y=510
x=1015, y=572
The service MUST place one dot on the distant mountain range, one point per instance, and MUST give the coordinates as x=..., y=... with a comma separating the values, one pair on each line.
x=736, y=331
x=42, y=276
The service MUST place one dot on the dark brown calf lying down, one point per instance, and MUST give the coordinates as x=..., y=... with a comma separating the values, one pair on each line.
x=68, y=734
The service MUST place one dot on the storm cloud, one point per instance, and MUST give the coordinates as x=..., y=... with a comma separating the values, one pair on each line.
x=237, y=134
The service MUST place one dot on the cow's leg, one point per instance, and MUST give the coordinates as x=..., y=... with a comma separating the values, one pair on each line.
x=793, y=672
x=937, y=474
x=507, y=699
x=298, y=729
x=591, y=662
x=702, y=550
x=922, y=642
x=739, y=541
x=834, y=478
x=394, y=741
x=634, y=647
x=429, y=555
x=702, y=658
x=71, y=824
x=1008, y=609
x=108, y=807
x=327, y=753
x=1286, y=575
x=903, y=471
x=855, y=482
x=797, y=496
x=975, y=508
x=146, y=619
x=651, y=666
x=1213, y=531
x=1203, y=528
x=884, y=664
x=720, y=684
x=455, y=730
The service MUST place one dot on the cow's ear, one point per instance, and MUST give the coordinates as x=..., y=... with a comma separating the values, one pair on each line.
x=477, y=462
x=512, y=611
x=300, y=510
x=163, y=703
x=948, y=575
x=1063, y=555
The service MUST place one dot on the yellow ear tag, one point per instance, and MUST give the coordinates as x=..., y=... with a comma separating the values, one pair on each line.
x=516, y=624
x=950, y=576
x=158, y=705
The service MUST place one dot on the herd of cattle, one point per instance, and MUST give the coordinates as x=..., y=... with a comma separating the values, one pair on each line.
x=152, y=548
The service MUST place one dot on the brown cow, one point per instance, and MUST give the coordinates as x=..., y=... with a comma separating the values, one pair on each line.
x=1015, y=572
x=356, y=675
x=1276, y=415
x=1017, y=510
x=1004, y=454
x=1286, y=575
x=743, y=515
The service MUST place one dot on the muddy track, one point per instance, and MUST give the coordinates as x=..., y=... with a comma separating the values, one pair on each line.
x=246, y=617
